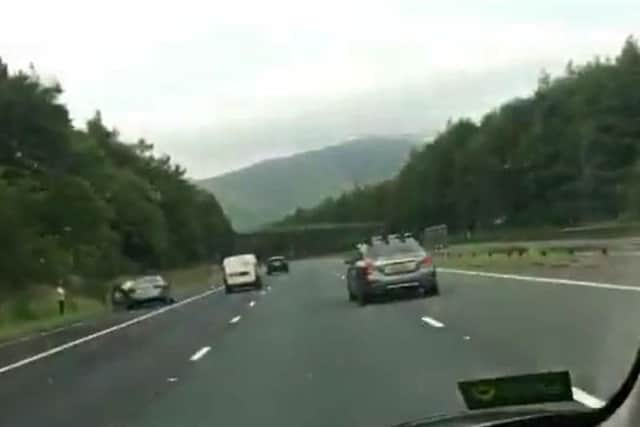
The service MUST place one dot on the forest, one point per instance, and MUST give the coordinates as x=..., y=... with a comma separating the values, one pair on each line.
x=84, y=205
x=568, y=154
x=81, y=203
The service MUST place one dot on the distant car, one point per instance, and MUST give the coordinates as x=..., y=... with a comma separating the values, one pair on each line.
x=241, y=271
x=132, y=293
x=277, y=264
x=388, y=265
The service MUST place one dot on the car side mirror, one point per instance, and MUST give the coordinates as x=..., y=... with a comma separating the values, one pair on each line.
x=348, y=261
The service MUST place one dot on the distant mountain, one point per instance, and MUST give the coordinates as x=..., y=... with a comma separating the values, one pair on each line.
x=269, y=190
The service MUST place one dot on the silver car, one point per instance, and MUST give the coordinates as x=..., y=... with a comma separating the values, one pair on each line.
x=390, y=264
x=132, y=293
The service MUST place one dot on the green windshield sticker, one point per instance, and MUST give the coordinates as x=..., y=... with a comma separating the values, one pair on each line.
x=517, y=390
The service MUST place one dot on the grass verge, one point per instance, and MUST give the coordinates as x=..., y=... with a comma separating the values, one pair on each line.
x=196, y=278
x=501, y=260
x=37, y=310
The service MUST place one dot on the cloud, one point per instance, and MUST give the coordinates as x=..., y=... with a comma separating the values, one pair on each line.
x=418, y=108
x=219, y=84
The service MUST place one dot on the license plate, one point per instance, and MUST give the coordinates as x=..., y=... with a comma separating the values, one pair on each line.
x=399, y=268
x=239, y=274
x=403, y=285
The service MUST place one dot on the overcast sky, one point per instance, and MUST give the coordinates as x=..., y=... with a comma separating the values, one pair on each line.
x=221, y=84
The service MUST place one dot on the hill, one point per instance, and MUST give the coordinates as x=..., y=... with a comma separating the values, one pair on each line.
x=269, y=190
x=567, y=154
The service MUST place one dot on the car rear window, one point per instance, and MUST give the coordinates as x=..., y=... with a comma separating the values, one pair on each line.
x=149, y=280
x=394, y=247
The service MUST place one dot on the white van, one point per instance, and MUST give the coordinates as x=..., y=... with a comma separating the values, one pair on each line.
x=241, y=271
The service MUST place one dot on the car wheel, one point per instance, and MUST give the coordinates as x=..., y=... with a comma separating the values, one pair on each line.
x=432, y=290
x=352, y=297
x=258, y=283
x=227, y=289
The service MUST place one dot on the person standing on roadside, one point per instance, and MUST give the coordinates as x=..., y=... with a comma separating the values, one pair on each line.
x=62, y=294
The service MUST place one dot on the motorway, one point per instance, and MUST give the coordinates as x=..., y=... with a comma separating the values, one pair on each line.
x=299, y=354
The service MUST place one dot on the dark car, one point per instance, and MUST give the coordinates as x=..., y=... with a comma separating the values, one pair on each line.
x=132, y=293
x=390, y=264
x=277, y=264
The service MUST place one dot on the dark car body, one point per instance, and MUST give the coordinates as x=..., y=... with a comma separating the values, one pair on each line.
x=277, y=264
x=387, y=265
x=141, y=290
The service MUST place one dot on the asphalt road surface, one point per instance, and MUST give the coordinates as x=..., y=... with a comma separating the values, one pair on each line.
x=299, y=354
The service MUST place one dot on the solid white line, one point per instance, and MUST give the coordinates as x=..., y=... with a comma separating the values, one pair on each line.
x=433, y=322
x=104, y=332
x=198, y=354
x=612, y=286
x=587, y=399
x=252, y=303
x=235, y=319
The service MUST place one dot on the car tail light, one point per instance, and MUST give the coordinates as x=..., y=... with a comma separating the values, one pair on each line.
x=368, y=268
x=427, y=261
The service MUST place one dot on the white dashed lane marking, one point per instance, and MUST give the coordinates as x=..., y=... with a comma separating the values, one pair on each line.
x=200, y=353
x=235, y=319
x=252, y=303
x=433, y=322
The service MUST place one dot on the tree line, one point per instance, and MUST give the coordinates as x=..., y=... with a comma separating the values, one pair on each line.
x=567, y=154
x=84, y=203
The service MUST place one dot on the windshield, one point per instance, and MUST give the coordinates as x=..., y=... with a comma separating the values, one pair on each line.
x=394, y=248
x=289, y=213
x=149, y=279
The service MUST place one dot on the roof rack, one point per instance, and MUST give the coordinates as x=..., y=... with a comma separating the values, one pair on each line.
x=384, y=238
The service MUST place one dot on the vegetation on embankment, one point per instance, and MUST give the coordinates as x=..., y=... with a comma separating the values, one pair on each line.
x=36, y=308
x=79, y=207
x=517, y=260
x=566, y=155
